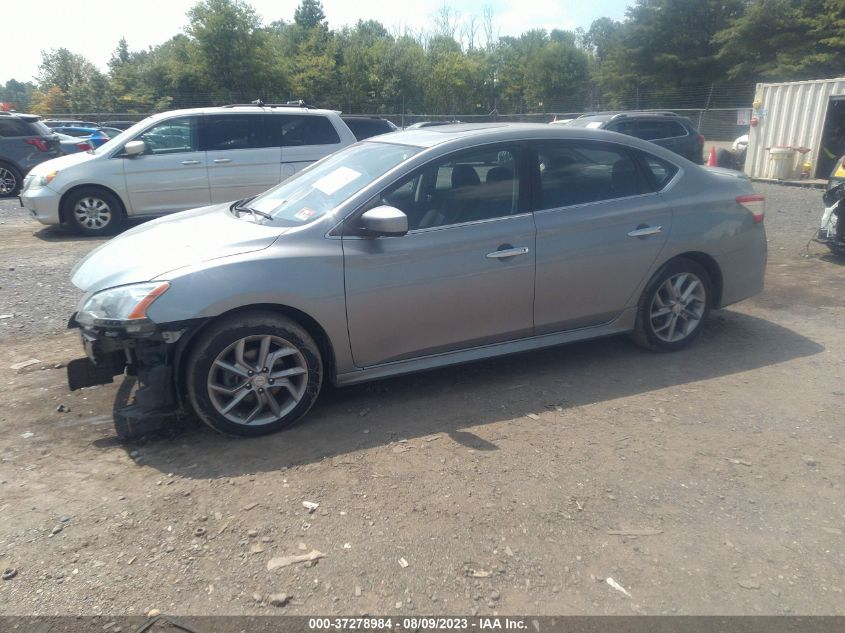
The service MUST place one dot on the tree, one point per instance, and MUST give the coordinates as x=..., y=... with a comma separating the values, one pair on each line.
x=309, y=15
x=232, y=49
x=61, y=68
x=51, y=102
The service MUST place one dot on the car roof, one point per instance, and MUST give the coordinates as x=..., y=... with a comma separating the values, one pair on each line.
x=247, y=109
x=473, y=134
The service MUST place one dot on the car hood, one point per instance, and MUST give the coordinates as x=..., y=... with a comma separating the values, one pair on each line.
x=62, y=162
x=153, y=249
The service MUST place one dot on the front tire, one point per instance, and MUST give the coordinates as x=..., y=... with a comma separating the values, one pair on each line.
x=10, y=181
x=674, y=307
x=254, y=374
x=92, y=211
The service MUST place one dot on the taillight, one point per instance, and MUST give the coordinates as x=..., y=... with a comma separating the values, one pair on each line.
x=755, y=204
x=39, y=143
x=83, y=146
x=701, y=139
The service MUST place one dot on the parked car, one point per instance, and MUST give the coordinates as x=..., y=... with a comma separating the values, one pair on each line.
x=72, y=145
x=54, y=123
x=368, y=126
x=120, y=125
x=95, y=136
x=666, y=129
x=179, y=160
x=411, y=251
x=111, y=131
x=24, y=143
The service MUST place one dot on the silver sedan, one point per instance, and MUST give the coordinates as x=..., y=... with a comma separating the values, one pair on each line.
x=412, y=251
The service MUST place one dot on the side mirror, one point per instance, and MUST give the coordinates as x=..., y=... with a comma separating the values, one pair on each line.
x=134, y=148
x=385, y=221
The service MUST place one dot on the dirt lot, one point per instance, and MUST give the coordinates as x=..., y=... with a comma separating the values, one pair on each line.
x=710, y=481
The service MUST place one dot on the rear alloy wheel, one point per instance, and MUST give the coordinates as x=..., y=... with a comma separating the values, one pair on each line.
x=93, y=211
x=254, y=374
x=10, y=181
x=674, y=307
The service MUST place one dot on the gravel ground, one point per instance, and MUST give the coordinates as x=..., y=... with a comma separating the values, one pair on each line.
x=705, y=482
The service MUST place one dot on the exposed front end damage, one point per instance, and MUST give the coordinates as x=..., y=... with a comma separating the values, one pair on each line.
x=148, y=354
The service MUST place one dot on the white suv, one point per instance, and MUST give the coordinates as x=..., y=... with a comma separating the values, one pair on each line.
x=180, y=160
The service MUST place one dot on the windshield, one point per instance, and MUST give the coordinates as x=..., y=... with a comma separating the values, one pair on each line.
x=114, y=141
x=320, y=188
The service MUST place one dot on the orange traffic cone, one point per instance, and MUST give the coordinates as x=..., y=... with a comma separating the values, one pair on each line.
x=711, y=160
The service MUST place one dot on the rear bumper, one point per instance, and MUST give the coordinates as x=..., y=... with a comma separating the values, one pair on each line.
x=43, y=204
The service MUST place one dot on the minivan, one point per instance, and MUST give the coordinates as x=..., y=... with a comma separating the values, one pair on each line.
x=180, y=160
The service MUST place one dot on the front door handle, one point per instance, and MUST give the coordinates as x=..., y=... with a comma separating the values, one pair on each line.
x=222, y=160
x=508, y=252
x=190, y=162
x=645, y=231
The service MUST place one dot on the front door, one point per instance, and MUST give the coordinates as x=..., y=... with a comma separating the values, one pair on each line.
x=171, y=174
x=463, y=276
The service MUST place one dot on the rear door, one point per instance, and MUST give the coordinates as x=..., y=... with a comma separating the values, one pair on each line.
x=304, y=139
x=171, y=174
x=241, y=159
x=600, y=226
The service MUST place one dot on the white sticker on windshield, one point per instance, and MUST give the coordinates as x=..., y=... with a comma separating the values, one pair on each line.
x=335, y=180
x=594, y=124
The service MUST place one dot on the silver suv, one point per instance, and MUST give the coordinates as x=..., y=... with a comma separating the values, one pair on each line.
x=414, y=250
x=181, y=160
x=24, y=143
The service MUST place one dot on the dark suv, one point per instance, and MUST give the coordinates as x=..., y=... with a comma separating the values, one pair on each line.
x=667, y=129
x=24, y=142
x=366, y=126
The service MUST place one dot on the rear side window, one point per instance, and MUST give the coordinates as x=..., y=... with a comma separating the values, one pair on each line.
x=291, y=130
x=652, y=130
x=659, y=170
x=580, y=172
x=232, y=131
x=14, y=127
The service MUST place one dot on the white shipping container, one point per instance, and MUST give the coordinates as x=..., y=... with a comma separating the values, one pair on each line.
x=790, y=115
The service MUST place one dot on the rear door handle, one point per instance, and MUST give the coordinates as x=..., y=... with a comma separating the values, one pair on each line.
x=190, y=162
x=645, y=231
x=508, y=252
x=222, y=160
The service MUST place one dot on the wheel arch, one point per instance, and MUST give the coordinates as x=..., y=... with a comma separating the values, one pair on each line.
x=309, y=323
x=708, y=263
x=67, y=194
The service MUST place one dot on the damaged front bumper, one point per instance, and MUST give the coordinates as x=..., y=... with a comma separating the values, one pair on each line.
x=149, y=353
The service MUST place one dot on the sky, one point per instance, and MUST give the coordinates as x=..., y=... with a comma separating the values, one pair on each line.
x=92, y=28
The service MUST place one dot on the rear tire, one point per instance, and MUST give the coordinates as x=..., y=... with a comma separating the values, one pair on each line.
x=674, y=307
x=93, y=211
x=253, y=374
x=10, y=180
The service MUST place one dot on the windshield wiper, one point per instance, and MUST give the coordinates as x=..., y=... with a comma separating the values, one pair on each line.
x=255, y=212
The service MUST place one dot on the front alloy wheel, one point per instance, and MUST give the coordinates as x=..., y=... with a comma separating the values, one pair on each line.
x=253, y=373
x=257, y=380
x=92, y=213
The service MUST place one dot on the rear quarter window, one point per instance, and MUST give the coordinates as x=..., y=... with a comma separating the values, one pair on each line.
x=297, y=130
x=659, y=171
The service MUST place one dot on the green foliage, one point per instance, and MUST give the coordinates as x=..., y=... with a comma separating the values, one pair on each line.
x=662, y=47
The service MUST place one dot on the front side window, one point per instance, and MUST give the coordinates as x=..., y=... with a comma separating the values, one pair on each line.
x=580, y=172
x=232, y=131
x=319, y=189
x=465, y=187
x=171, y=136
